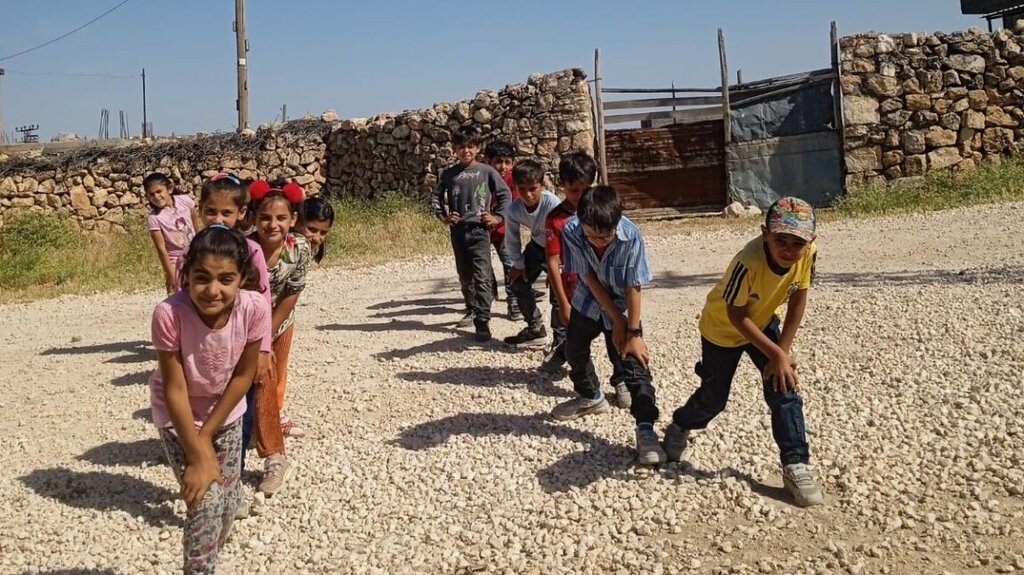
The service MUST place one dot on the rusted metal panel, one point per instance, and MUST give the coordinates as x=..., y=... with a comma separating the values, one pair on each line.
x=680, y=166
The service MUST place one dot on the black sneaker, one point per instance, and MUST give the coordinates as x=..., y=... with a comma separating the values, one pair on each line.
x=514, y=313
x=554, y=362
x=483, y=331
x=527, y=334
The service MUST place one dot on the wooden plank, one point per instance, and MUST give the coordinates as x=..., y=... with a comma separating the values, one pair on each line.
x=837, y=96
x=691, y=115
x=726, y=116
x=663, y=102
x=602, y=156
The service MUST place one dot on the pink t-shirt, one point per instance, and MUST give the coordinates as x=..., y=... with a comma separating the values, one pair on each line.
x=175, y=224
x=208, y=356
x=259, y=263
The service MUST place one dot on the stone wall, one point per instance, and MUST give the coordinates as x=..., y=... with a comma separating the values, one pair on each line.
x=544, y=118
x=99, y=185
x=919, y=102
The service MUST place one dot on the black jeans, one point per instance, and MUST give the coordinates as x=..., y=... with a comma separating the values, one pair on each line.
x=471, y=244
x=716, y=370
x=535, y=262
x=582, y=331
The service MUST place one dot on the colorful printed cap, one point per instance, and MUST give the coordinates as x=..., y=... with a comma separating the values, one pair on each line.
x=791, y=216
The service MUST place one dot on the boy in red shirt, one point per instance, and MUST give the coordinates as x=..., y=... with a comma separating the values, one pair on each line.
x=576, y=172
x=501, y=155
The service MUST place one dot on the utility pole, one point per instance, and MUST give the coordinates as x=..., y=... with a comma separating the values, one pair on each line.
x=284, y=113
x=145, y=129
x=242, y=48
x=3, y=136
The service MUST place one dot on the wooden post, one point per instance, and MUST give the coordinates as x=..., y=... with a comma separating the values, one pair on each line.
x=726, y=117
x=602, y=157
x=837, y=97
x=242, y=50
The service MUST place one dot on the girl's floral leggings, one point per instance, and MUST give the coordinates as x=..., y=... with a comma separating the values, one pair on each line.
x=208, y=524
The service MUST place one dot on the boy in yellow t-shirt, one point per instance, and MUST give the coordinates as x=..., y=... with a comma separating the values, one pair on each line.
x=740, y=317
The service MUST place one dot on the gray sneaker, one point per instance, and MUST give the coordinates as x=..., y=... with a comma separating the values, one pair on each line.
x=676, y=439
x=277, y=470
x=648, y=448
x=466, y=321
x=799, y=481
x=578, y=407
x=622, y=400
x=243, y=510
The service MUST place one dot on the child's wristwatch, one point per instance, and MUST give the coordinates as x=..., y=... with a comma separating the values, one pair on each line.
x=635, y=332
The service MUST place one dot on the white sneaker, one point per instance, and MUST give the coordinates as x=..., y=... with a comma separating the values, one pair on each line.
x=578, y=407
x=623, y=400
x=648, y=448
x=243, y=509
x=277, y=470
x=800, y=482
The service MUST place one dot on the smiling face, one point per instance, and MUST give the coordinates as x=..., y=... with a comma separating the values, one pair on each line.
x=159, y=196
x=274, y=219
x=315, y=232
x=221, y=208
x=213, y=284
x=784, y=249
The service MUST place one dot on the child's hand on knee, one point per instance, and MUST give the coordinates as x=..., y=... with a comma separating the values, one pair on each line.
x=781, y=371
x=198, y=477
x=637, y=347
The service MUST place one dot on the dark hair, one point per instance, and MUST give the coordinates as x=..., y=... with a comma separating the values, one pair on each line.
x=318, y=209
x=226, y=184
x=499, y=149
x=219, y=240
x=527, y=173
x=467, y=135
x=577, y=166
x=600, y=208
x=157, y=178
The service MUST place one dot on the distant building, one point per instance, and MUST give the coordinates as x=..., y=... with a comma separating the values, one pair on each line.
x=1009, y=11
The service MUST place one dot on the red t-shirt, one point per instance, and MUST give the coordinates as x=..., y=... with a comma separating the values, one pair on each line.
x=554, y=224
x=498, y=233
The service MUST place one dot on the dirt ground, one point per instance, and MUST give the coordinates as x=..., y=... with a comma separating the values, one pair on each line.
x=429, y=453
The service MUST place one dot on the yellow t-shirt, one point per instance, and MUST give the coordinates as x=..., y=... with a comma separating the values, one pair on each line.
x=750, y=282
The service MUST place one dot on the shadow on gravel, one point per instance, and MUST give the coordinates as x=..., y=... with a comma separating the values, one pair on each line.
x=73, y=572
x=138, y=378
x=393, y=325
x=145, y=414
x=422, y=302
x=433, y=310
x=487, y=376
x=764, y=490
x=463, y=341
x=674, y=280
x=578, y=469
x=132, y=454
x=105, y=491
x=137, y=351
x=981, y=276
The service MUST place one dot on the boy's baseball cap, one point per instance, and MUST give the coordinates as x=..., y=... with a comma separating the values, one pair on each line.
x=791, y=216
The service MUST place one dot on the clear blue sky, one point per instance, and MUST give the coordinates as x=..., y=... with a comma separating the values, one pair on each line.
x=363, y=58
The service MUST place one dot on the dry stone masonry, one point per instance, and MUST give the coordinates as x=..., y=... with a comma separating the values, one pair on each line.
x=100, y=186
x=919, y=102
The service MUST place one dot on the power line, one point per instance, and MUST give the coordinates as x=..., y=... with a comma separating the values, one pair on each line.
x=59, y=38
x=71, y=75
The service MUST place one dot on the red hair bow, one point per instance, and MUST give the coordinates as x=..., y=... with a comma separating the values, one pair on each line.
x=291, y=191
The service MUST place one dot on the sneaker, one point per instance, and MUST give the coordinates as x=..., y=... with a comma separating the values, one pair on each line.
x=514, y=313
x=553, y=362
x=289, y=429
x=483, y=331
x=466, y=321
x=623, y=400
x=527, y=334
x=676, y=440
x=277, y=470
x=242, y=511
x=578, y=407
x=800, y=482
x=648, y=448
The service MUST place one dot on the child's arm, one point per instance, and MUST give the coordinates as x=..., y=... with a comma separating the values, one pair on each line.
x=794, y=317
x=195, y=218
x=282, y=310
x=201, y=466
x=608, y=305
x=634, y=343
x=555, y=279
x=780, y=369
x=165, y=260
x=437, y=203
x=514, y=247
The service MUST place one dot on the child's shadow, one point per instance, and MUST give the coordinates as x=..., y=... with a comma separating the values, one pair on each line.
x=105, y=491
x=489, y=376
x=137, y=351
x=133, y=454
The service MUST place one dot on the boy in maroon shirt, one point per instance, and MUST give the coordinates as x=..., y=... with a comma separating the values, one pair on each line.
x=501, y=155
x=576, y=172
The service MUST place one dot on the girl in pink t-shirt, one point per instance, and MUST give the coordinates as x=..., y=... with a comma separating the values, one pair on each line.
x=171, y=223
x=207, y=338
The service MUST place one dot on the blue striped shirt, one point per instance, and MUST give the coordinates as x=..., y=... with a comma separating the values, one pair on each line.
x=623, y=266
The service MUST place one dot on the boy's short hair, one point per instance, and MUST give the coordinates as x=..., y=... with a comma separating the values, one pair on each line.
x=528, y=173
x=467, y=135
x=499, y=149
x=600, y=208
x=577, y=166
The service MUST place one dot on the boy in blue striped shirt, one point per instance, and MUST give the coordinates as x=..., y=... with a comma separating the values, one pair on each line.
x=607, y=252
